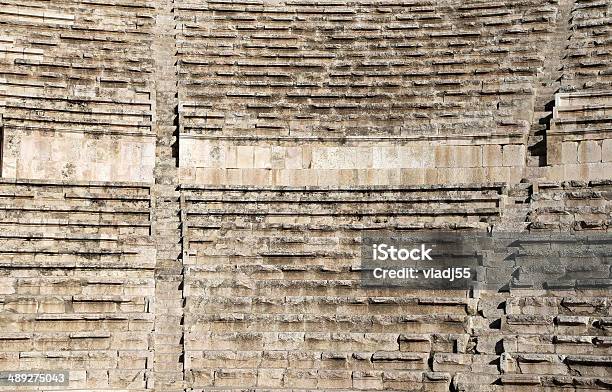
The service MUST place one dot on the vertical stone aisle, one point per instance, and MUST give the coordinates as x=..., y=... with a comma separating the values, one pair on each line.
x=167, y=340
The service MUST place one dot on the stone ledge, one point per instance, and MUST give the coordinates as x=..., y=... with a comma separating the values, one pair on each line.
x=366, y=188
x=63, y=183
x=356, y=139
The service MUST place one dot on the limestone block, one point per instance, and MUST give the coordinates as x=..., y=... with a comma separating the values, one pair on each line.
x=21, y=305
x=90, y=341
x=133, y=360
x=233, y=176
x=15, y=342
x=306, y=156
x=49, y=342
x=257, y=177
x=458, y=156
x=492, y=155
x=334, y=379
x=488, y=344
x=274, y=359
x=333, y=158
x=235, y=378
x=464, y=175
x=415, y=156
x=589, y=151
x=513, y=154
x=569, y=345
x=7, y=286
x=200, y=378
x=210, y=176
x=402, y=380
x=399, y=360
x=293, y=158
x=540, y=364
x=520, y=380
x=414, y=343
x=348, y=177
x=370, y=380
x=412, y=176
x=270, y=378
x=301, y=378
x=245, y=157
x=534, y=324
x=129, y=379
x=303, y=360
x=199, y=152
x=278, y=157
x=386, y=157
x=262, y=157
x=327, y=177
x=569, y=152
x=485, y=364
x=589, y=366
x=98, y=378
x=9, y=167
x=606, y=151
x=444, y=362
x=230, y=152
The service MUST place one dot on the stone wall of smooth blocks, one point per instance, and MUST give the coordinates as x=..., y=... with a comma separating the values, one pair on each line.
x=352, y=162
x=76, y=155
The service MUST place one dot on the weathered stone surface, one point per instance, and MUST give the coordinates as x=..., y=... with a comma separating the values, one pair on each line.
x=184, y=184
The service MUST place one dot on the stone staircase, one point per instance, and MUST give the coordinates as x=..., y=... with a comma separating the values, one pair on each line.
x=168, y=333
x=168, y=372
x=548, y=85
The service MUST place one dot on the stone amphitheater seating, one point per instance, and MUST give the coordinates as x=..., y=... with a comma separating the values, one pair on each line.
x=590, y=47
x=403, y=76
x=75, y=79
x=77, y=280
x=184, y=185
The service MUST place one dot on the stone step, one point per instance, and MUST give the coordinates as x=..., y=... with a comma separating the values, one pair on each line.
x=172, y=238
x=169, y=255
x=167, y=139
x=170, y=224
x=168, y=339
x=168, y=164
x=168, y=268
